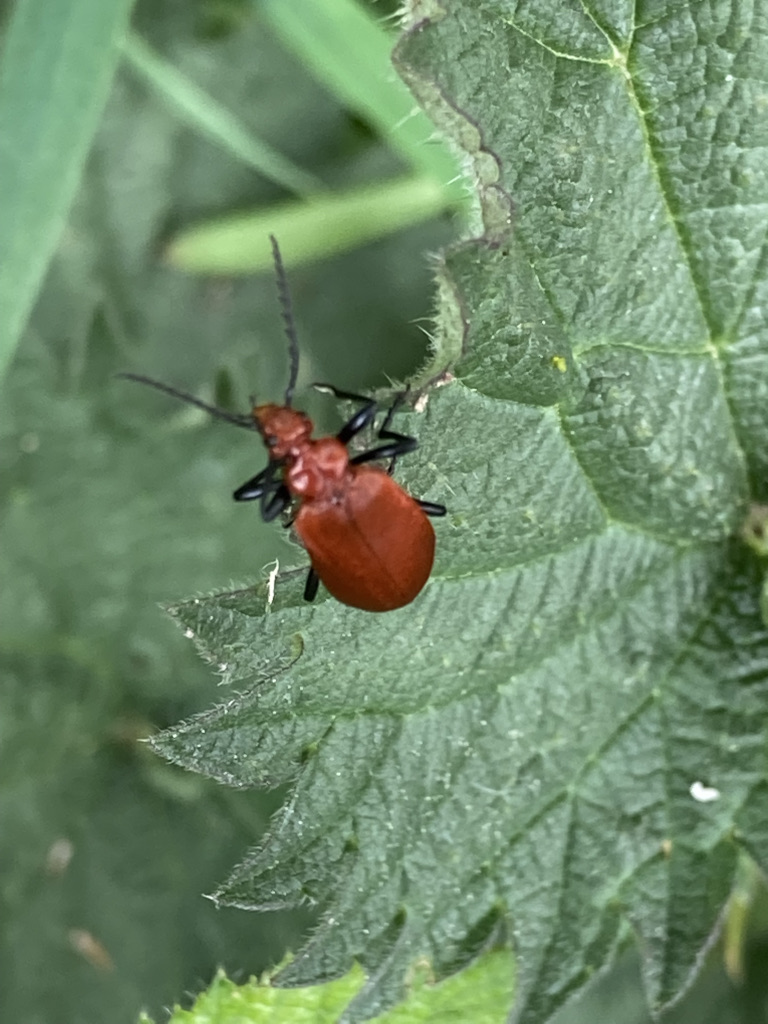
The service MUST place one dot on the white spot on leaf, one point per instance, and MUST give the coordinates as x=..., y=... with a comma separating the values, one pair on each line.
x=704, y=794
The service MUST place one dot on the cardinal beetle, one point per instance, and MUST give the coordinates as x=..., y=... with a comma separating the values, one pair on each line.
x=368, y=541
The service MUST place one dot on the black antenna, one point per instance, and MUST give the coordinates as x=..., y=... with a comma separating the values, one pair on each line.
x=290, y=327
x=239, y=419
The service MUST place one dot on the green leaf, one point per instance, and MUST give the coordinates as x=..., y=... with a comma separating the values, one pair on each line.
x=481, y=995
x=204, y=114
x=349, y=51
x=318, y=226
x=565, y=732
x=56, y=69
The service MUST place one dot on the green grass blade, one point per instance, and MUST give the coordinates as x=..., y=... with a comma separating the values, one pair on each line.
x=202, y=113
x=56, y=68
x=350, y=51
x=317, y=227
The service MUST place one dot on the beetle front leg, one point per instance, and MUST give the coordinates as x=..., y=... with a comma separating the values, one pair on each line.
x=255, y=487
x=361, y=419
x=272, y=493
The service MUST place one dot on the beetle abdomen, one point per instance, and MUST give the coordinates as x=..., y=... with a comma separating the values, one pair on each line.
x=373, y=547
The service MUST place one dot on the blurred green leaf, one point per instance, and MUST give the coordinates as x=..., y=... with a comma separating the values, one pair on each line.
x=349, y=50
x=350, y=53
x=207, y=116
x=320, y=226
x=565, y=732
x=56, y=69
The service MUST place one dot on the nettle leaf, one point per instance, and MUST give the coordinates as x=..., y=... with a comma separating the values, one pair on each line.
x=475, y=995
x=564, y=735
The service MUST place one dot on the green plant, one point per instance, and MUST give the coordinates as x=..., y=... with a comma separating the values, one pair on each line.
x=565, y=733
x=562, y=742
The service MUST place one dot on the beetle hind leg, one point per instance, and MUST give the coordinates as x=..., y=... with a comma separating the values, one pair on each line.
x=310, y=587
x=431, y=508
x=271, y=492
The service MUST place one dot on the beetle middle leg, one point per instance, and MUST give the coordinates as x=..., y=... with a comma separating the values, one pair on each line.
x=360, y=420
x=399, y=444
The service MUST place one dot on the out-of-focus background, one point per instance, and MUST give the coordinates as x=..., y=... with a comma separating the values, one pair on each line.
x=115, y=499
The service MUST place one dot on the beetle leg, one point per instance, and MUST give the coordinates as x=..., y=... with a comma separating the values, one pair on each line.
x=275, y=501
x=431, y=508
x=274, y=496
x=361, y=419
x=255, y=487
x=310, y=587
x=400, y=444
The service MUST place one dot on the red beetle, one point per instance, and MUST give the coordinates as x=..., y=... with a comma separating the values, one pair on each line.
x=369, y=541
